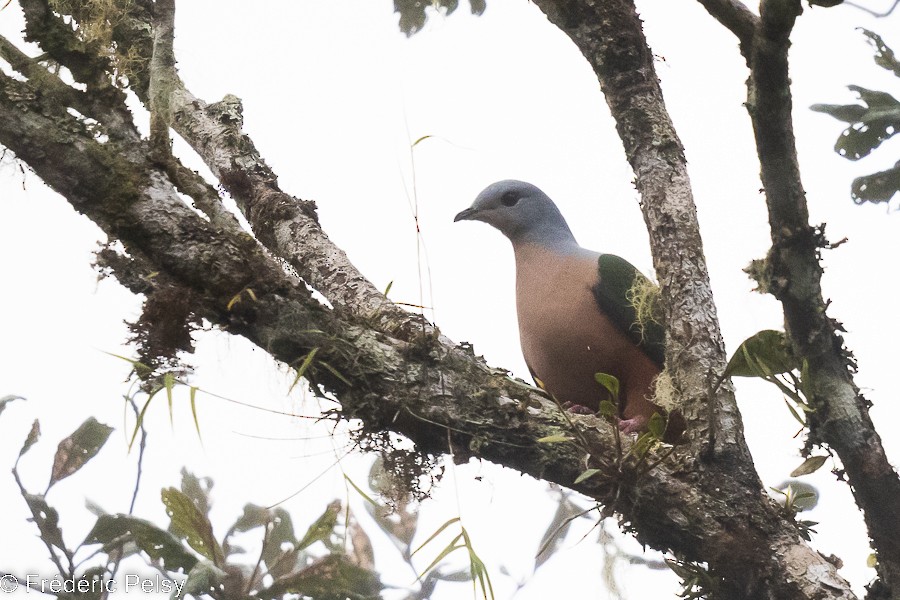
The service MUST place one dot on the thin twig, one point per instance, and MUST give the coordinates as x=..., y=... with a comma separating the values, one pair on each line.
x=872, y=12
x=53, y=555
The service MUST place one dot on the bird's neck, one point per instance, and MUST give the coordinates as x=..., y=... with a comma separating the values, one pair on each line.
x=557, y=239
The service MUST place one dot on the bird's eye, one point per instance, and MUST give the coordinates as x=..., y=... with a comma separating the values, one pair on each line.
x=509, y=199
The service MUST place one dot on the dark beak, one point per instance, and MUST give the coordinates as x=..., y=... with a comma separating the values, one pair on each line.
x=466, y=215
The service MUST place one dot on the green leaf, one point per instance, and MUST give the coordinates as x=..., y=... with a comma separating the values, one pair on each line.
x=323, y=527
x=77, y=449
x=139, y=368
x=190, y=523
x=849, y=113
x=657, y=425
x=585, y=475
x=6, y=400
x=610, y=383
x=301, y=370
x=794, y=413
x=336, y=373
x=47, y=520
x=877, y=187
x=194, y=411
x=413, y=12
x=140, y=419
x=169, y=384
x=436, y=533
x=810, y=465
x=202, y=579
x=158, y=544
x=197, y=489
x=331, y=577
x=254, y=516
x=761, y=355
x=608, y=409
x=448, y=549
x=870, y=124
x=32, y=438
x=554, y=439
x=884, y=56
x=360, y=492
x=479, y=571
x=280, y=548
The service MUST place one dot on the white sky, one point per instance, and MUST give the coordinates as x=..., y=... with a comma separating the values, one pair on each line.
x=333, y=96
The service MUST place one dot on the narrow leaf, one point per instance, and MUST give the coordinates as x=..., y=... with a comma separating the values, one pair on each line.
x=361, y=493
x=140, y=369
x=435, y=534
x=169, y=384
x=194, y=411
x=585, y=475
x=794, y=413
x=32, y=438
x=335, y=372
x=810, y=465
x=140, y=419
x=301, y=370
x=554, y=439
x=234, y=300
x=6, y=400
x=453, y=546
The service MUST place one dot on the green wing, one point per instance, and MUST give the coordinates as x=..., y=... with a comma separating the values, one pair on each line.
x=631, y=301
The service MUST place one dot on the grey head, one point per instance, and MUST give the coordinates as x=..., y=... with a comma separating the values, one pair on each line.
x=521, y=212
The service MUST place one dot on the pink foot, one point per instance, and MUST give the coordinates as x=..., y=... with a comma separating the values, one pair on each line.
x=578, y=409
x=633, y=425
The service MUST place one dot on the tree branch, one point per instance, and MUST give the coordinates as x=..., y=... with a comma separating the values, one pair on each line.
x=793, y=275
x=736, y=17
x=162, y=77
x=286, y=225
